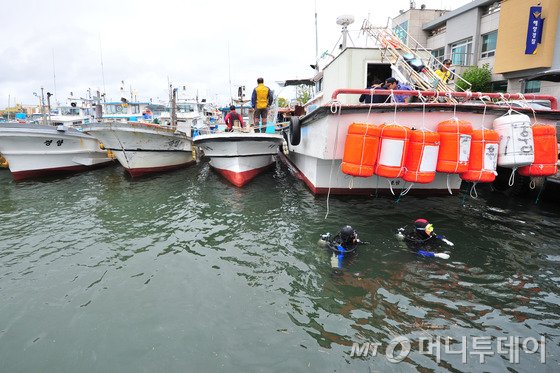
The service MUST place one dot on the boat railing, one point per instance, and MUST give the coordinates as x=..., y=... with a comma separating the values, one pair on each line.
x=439, y=94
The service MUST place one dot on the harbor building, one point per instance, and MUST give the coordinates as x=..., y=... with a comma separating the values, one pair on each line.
x=517, y=39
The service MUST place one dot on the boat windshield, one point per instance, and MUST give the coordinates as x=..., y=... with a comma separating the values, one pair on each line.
x=185, y=108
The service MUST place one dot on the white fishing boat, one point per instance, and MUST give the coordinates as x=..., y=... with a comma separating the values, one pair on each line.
x=144, y=147
x=239, y=156
x=318, y=140
x=34, y=150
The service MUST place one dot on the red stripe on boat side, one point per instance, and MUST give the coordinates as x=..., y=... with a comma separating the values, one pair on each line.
x=31, y=174
x=137, y=172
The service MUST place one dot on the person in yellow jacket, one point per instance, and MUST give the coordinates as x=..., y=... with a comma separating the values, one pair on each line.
x=443, y=72
x=261, y=100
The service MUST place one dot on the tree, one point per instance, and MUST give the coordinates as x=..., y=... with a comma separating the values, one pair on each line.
x=479, y=77
x=303, y=93
x=282, y=102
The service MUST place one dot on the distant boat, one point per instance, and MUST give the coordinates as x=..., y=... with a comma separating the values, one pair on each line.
x=34, y=150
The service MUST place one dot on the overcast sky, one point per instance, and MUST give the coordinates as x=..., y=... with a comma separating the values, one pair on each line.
x=60, y=44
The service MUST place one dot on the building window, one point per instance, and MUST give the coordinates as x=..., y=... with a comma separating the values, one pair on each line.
x=401, y=30
x=489, y=44
x=491, y=9
x=533, y=86
x=461, y=52
x=437, y=31
x=499, y=86
x=438, y=54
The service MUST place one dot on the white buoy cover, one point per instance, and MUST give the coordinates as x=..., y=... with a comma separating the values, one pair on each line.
x=516, y=147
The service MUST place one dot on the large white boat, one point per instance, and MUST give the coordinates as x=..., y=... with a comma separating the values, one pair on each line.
x=317, y=140
x=34, y=150
x=239, y=156
x=144, y=147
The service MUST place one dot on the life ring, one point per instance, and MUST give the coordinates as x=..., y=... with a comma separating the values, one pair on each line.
x=295, y=131
x=119, y=108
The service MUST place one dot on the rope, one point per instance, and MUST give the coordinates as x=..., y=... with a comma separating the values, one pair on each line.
x=334, y=108
x=405, y=191
x=532, y=184
x=449, y=186
x=512, y=177
x=540, y=192
x=391, y=187
x=473, y=192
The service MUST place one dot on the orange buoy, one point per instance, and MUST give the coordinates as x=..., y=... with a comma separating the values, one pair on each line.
x=483, y=157
x=360, y=150
x=392, y=150
x=421, y=157
x=455, y=146
x=546, y=152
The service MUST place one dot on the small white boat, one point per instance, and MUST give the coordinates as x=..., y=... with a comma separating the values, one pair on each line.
x=239, y=156
x=34, y=150
x=144, y=148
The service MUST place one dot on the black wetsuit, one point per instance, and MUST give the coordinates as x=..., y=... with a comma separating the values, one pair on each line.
x=421, y=243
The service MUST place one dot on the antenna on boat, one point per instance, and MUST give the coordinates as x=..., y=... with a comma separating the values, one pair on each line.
x=345, y=21
x=316, y=40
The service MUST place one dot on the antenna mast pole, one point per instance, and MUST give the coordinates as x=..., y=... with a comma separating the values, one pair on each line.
x=102, y=70
x=316, y=40
x=54, y=76
x=229, y=67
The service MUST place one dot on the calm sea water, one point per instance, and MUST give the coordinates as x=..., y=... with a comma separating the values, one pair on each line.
x=183, y=272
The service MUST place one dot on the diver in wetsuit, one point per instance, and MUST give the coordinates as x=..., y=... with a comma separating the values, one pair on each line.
x=422, y=239
x=342, y=245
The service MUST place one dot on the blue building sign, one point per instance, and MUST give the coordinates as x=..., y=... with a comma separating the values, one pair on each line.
x=534, y=31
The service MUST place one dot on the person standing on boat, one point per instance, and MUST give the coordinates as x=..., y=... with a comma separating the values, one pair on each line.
x=232, y=117
x=261, y=100
x=422, y=239
x=443, y=72
x=373, y=99
x=393, y=84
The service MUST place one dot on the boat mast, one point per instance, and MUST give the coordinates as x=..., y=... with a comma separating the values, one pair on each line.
x=102, y=71
x=229, y=67
x=54, y=75
x=173, y=106
x=43, y=106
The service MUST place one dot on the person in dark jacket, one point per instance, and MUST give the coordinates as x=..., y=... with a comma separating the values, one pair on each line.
x=373, y=99
x=231, y=117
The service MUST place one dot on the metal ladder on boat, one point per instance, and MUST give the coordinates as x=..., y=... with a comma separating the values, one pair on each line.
x=402, y=58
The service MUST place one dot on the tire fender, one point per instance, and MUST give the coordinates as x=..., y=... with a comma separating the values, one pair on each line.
x=295, y=131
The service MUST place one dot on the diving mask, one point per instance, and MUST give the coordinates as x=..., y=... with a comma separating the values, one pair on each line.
x=429, y=229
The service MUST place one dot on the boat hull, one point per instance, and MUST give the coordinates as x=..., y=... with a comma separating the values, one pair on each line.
x=239, y=157
x=144, y=148
x=41, y=150
x=317, y=159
